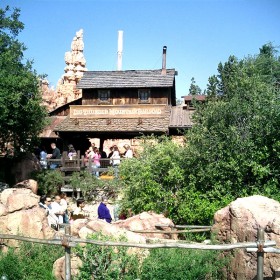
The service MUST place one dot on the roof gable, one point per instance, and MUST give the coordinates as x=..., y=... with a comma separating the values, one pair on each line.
x=127, y=79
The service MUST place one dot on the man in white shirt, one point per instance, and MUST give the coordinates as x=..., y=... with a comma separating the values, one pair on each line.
x=45, y=202
x=128, y=151
x=57, y=209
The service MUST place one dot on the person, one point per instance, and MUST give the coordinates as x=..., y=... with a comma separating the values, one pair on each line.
x=37, y=152
x=103, y=212
x=79, y=212
x=64, y=206
x=55, y=155
x=45, y=202
x=115, y=160
x=128, y=152
x=96, y=161
x=43, y=158
x=57, y=209
x=71, y=151
x=103, y=154
x=111, y=152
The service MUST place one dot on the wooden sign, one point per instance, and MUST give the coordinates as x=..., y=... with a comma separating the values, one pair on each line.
x=112, y=111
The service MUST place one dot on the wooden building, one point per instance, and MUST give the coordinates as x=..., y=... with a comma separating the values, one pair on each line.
x=121, y=105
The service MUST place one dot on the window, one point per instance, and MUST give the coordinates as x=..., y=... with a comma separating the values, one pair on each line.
x=144, y=95
x=104, y=95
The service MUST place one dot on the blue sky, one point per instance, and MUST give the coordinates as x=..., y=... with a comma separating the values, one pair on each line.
x=198, y=34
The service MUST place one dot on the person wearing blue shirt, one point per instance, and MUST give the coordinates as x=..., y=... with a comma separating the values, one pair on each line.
x=103, y=211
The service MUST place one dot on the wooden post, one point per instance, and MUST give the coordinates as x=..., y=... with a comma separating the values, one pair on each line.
x=67, y=254
x=260, y=254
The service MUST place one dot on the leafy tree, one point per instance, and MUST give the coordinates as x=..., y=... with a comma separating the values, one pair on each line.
x=22, y=117
x=194, y=88
x=212, y=87
x=152, y=180
x=232, y=150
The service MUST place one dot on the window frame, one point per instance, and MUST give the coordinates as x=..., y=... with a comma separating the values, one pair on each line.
x=102, y=98
x=141, y=93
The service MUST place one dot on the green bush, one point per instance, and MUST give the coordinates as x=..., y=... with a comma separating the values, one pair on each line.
x=178, y=264
x=29, y=262
x=151, y=181
x=106, y=262
x=49, y=181
x=90, y=186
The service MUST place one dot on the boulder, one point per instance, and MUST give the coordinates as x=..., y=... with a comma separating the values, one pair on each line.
x=29, y=184
x=81, y=228
x=59, y=267
x=147, y=221
x=239, y=222
x=115, y=231
x=20, y=214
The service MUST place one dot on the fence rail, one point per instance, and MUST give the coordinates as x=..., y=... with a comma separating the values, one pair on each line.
x=68, y=241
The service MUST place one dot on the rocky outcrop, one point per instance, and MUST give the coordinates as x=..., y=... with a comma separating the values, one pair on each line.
x=239, y=222
x=83, y=227
x=59, y=267
x=21, y=215
x=147, y=221
x=28, y=184
x=66, y=89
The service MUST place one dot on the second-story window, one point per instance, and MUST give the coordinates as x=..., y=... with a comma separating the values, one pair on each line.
x=144, y=95
x=104, y=95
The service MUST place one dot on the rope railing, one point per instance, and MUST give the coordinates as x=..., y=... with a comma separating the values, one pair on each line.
x=261, y=246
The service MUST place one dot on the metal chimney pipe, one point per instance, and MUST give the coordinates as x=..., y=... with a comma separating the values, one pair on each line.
x=120, y=50
x=163, y=69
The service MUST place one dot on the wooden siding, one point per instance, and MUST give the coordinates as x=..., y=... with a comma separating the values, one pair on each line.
x=180, y=117
x=127, y=96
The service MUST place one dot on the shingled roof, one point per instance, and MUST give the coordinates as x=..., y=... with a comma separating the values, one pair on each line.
x=127, y=79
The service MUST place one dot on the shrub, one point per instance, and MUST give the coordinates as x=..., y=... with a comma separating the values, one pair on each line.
x=49, y=181
x=178, y=264
x=90, y=185
x=29, y=262
x=106, y=262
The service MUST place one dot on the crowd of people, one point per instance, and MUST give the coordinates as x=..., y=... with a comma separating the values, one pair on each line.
x=92, y=153
x=59, y=212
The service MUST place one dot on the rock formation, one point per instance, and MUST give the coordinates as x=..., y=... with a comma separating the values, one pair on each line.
x=83, y=227
x=66, y=90
x=28, y=184
x=239, y=222
x=20, y=214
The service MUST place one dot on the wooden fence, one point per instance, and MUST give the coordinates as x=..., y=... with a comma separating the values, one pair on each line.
x=67, y=241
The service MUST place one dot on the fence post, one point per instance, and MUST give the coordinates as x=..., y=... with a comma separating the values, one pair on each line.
x=260, y=254
x=67, y=255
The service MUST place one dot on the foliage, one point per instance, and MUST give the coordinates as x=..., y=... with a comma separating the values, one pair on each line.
x=49, y=181
x=106, y=262
x=232, y=150
x=22, y=117
x=90, y=185
x=151, y=180
x=177, y=264
x=194, y=88
x=29, y=262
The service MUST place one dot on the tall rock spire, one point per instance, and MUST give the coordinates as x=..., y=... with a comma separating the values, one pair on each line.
x=66, y=89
